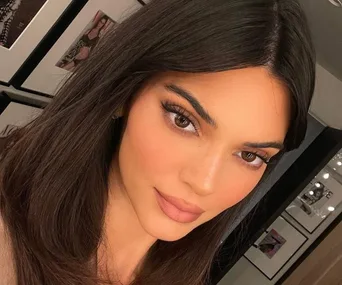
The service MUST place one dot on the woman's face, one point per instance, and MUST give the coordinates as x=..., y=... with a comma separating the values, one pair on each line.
x=197, y=144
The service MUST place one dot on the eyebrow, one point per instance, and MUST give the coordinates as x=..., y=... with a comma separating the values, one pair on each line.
x=193, y=102
x=277, y=145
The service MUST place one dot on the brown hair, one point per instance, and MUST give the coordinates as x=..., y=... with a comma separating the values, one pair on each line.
x=54, y=178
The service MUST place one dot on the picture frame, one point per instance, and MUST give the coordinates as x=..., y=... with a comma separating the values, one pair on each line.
x=275, y=247
x=14, y=114
x=334, y=167
x=317, y=200
x=23, y=25
x=47, y=77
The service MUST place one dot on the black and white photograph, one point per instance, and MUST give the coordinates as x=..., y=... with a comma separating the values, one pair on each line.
x=275, y=247
x=24, y=24
x=317, y=201
x=314, y=198
x=15, y=16
x=86, y=43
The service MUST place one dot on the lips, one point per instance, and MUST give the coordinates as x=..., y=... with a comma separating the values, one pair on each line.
x=178, y=209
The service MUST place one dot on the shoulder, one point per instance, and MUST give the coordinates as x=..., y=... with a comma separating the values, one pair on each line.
x=7, y=272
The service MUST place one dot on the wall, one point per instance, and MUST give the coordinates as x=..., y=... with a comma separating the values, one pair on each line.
x=327, y=102
x=324, y=264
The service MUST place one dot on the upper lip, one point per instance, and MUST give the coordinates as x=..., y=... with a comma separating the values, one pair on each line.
x=182, y=205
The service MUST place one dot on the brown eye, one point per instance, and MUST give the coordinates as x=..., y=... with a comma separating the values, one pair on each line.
x=248, y=156
x=181, y=121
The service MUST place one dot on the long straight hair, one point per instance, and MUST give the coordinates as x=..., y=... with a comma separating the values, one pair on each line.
x=54, y=175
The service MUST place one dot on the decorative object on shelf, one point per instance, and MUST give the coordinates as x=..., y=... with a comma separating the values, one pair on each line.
x=77, y=42
x=23, y=25
x=318, y=200
x=275, y=247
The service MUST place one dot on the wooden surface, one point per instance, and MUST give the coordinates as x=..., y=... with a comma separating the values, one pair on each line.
x=324, y=265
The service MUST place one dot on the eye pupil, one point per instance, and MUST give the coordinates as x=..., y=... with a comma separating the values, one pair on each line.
x=248, y=156
x=181, y=121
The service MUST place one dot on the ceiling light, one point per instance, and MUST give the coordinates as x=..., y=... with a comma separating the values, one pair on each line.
x=331, y=209
x=337, y=3
x=339, y=163
x=311, y=192
x=326, y=175
x=317, y=184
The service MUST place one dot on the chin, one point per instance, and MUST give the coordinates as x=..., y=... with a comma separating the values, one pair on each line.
x=165, y=233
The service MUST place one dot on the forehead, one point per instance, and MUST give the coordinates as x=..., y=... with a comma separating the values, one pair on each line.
x=246, y=101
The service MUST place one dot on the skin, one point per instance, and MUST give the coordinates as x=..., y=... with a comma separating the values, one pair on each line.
x=203, y=166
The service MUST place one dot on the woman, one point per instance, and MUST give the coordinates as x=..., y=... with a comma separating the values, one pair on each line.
x=144, y=159
x=84, y=46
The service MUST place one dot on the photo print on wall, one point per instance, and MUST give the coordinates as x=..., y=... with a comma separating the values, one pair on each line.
x=15, y=16
x=272, y=242
x=313, y=200
x=275, y=247
x=81, y=49
x=317, y=201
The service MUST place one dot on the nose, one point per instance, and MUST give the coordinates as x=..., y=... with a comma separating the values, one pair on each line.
x=202, y=175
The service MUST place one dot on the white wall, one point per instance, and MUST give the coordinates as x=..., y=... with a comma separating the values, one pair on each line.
x=327, y=102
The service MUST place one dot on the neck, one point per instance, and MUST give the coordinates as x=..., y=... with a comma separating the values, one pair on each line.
x=125, y=242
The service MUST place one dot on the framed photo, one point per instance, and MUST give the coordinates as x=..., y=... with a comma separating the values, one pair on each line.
x=317, y=201
x=335, y=167
x=15, y=114
x=77, y=43
x=275, y=247
x=23, y=24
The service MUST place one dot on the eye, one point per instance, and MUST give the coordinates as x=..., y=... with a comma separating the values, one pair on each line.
x=182, y=122
x=179, y=118
x=252, y=159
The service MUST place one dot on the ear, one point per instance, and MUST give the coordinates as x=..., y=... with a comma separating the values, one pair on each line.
x=119, y=113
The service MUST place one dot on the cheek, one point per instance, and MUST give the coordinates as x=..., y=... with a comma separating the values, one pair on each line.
x=148, y=146
x=238, y=184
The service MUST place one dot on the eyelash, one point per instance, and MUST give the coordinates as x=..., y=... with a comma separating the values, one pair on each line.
x=170, y=107
x=264, y=157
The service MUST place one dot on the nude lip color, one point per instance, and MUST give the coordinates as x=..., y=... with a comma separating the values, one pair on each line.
x=177, y=209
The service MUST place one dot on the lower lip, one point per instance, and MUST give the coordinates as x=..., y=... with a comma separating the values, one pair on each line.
x=174, y=213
